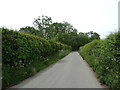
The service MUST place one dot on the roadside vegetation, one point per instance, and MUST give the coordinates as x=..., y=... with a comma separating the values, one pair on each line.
x=31, y=49
x=24, y=55
x=104, y=57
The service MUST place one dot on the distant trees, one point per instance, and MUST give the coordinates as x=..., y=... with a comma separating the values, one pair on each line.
x=57, y=29
x=69, y=39
x=69, y=28
x=51, y=30
x=54, y=30
x=83, y=38
x=41, y=23
x=73, y=39
x=61, y=32
x=93, y=35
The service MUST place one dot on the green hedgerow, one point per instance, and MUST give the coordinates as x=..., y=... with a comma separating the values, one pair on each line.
x=104, y=57
x=23, y=55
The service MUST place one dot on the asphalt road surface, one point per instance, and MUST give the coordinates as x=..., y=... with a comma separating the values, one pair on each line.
x=70, y=72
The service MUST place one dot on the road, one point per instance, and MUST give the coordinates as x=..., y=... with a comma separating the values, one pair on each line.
x=70, y=72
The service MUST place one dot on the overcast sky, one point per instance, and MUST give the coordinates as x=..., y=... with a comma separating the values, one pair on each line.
x=100, y=16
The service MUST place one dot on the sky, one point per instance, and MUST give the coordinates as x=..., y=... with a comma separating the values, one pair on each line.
x=100, y=16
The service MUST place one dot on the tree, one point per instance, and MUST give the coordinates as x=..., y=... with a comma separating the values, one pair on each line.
x=93, y=35
x=69, y=39
x=69, y=28
x=83, y=38
x=56, y=29
x=42, y=23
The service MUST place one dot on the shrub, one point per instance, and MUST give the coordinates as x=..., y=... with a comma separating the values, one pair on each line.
x=24, y=55
x=103, y=56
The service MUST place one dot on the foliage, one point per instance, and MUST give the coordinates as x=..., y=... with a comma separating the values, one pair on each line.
x=104, y=57
x=64, y=32
x=61, y=32
x=42, y=22
x=69, y=28
x=93, y=35
x=54, y=30
x=25, y=54
x=68, y=38
x=31, y=30
x=27, y=51
x=73, y=39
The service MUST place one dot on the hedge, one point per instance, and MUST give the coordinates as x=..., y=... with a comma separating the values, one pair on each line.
x=25, y=54
x=104, y=57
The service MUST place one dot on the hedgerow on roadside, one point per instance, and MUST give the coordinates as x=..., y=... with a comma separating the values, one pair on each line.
x=104, y=57
x=23, y=55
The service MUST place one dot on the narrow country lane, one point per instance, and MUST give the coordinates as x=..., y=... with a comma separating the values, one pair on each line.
x=70, y=72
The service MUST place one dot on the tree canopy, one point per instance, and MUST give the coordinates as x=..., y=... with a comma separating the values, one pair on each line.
x=62, y=32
